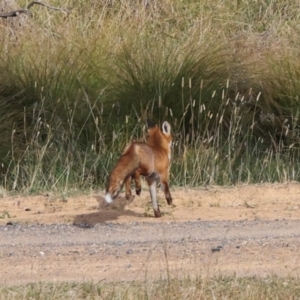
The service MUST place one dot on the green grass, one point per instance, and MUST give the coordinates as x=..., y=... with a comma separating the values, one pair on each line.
x=186, y=288
x=75, y=89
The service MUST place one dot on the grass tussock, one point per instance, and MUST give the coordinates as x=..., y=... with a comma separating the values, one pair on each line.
x=76, y=88
x=187, y=288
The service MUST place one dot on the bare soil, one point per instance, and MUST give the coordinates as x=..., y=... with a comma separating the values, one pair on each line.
x=247, y=230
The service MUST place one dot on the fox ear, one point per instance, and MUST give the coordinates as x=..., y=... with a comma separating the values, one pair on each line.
x=150, y=123
x=166, y=128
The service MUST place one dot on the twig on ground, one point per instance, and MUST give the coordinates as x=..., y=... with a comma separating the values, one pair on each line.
x=16, y=13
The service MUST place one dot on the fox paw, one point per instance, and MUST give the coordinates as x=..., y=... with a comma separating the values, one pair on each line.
x=157, y=213
x=169, y=200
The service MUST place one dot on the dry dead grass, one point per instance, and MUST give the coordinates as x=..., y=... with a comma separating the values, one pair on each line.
x=186, y=288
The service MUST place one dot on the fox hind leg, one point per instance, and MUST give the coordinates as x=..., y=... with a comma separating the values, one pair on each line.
x=137, y=182
x=128, y=188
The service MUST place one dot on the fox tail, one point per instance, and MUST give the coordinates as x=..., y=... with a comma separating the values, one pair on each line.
x=125, y=167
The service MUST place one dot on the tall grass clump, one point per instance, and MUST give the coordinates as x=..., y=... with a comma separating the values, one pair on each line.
x=76, y=88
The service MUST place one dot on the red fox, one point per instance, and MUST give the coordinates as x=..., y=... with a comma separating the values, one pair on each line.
x=150, y=159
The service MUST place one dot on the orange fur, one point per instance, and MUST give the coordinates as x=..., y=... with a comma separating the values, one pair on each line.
x=150, y=159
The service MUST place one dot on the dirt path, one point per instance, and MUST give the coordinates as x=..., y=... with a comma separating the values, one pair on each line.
x=246, y=230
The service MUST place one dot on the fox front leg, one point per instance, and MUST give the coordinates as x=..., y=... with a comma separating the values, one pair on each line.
x=152, y=188
x=165, y=187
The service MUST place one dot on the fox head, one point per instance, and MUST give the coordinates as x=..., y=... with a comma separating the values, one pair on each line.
x=159, y=137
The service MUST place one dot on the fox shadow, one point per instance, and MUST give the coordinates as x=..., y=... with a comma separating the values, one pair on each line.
x=107, y=212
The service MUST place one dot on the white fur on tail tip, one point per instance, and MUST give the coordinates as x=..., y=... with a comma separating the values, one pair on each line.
x=108, y=198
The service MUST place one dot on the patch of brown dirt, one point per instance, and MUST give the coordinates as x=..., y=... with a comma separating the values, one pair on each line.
x=256, y=228
x=266, y=201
